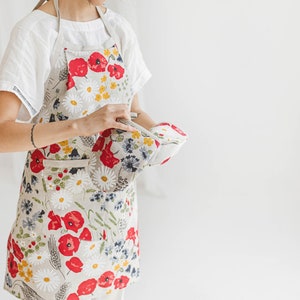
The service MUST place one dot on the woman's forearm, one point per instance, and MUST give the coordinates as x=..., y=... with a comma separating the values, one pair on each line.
x=17, y=137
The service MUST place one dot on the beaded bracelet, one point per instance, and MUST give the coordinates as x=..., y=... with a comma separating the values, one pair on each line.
x=31, y=136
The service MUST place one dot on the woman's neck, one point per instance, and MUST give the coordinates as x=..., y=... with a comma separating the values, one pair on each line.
x=73, y=10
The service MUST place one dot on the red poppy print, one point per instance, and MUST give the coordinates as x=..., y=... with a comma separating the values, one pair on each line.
x=54, y=148
x=78, y=67
x=55, y=221
x=70, y=83
x=36, y=164
x=131, y=234
x=73, y=220
x=178, y=130
x=98, y=146
x=97, y=62
x=87, y=287
x=166, y=160
x=74, y=264
x=12, y=266
x=115, y=71
x=107, y=157
x=73, y=297
x=104, y=234
x=106, y=279
x=9, y=242
x=121, y=282
x=68, y=245
x=17, y=251
x=85, y=235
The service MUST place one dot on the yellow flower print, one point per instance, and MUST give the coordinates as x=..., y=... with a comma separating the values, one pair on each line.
x=115, y=52
x=109, y=292
x=103, y=78
x=117, y=267
x=98, y=98
x=84, y=112
x=148, y=141
x=102, y=89
x=67, y=149
x=113, y=85
x=136, y=135
x=125, y=263
x=106, y=96
x=106, y=52
x=64, y=143
x=25, y=270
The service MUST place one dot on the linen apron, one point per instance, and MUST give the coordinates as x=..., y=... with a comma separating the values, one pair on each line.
x=75, y=235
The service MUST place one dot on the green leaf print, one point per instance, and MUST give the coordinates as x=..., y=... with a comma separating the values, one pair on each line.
x=79, y=205
x=54, y=169
x=66, y=177
x=26, y=235
x=56, y=181
x=97, y=214
x=37, y=200
x=107, y=226
x=99, y=222
x=44, y=185
x=93, y=227
x=113, y=221
x=102, y=247
x=62, y=185
x=112, y=215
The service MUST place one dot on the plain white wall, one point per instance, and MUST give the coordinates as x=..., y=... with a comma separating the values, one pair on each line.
x=228, y=224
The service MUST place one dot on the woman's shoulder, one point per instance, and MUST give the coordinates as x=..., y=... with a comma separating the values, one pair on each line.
x=122, y=26
x=37, y=22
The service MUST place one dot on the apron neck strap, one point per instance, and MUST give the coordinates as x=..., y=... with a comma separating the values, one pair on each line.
x=110, y=29
x=57, y=14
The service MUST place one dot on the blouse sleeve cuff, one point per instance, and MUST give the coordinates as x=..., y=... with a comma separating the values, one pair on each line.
x=141, y=81
x=27, y=110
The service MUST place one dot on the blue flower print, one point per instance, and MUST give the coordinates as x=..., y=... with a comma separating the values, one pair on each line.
x=29, y=223
x=26, y=206
x=128, y=145
x=130, y=163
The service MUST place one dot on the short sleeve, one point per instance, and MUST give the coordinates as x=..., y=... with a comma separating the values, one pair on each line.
x=24, y=70
x=138, y=71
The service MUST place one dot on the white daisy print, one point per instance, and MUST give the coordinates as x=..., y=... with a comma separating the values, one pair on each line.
x=78, y=182
x=88, y=90
x=94, y=267
x=93, y=161
x=73, y=103
x=46, y=280
x=104, y=178
x=91, y=249
x=38, y=258
x=61, y=199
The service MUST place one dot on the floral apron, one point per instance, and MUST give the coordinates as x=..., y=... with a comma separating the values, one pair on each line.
x=75, y=235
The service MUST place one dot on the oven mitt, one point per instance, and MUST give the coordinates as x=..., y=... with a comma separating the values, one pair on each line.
x=168, y=136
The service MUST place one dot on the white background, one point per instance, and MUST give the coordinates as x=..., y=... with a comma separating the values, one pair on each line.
x=221, y=220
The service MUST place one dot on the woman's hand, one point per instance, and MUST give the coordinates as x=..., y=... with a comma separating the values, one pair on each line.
x=104, y=118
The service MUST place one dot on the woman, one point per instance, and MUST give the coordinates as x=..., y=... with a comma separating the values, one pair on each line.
x=72, y=70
